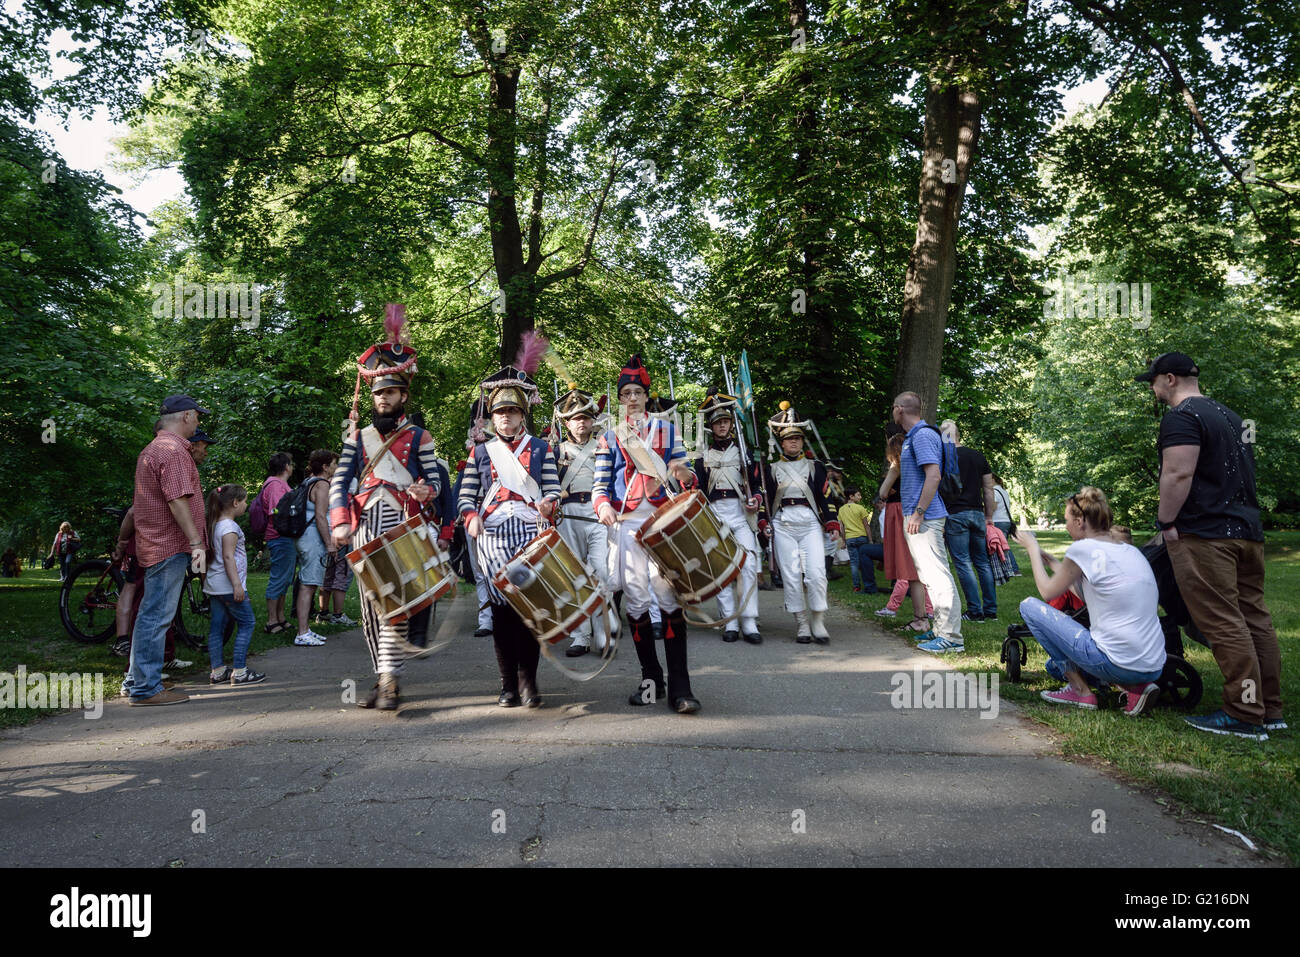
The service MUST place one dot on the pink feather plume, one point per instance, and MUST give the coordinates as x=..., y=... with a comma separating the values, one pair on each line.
x=394, y=320
x=532, y=346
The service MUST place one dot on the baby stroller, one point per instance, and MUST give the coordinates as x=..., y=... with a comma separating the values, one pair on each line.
x=1180, y=683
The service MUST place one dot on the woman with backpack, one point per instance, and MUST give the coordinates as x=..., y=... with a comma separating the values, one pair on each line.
x=315, y=544
x=284, y=551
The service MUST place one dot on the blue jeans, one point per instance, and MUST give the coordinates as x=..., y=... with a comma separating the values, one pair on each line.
x=284, y=556
x=1005, y=529
x=964, y=536
x=861, y=555
x=224, y=607
x=162, y=593
x=1069, y=646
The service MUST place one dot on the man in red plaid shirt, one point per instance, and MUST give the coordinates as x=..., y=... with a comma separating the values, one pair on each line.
x=170, y=534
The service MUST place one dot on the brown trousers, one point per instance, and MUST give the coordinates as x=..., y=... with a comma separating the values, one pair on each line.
x=1222, y=581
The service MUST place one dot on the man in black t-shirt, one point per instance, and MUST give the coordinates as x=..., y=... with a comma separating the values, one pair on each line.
x=963, y=533
x=1210, y=520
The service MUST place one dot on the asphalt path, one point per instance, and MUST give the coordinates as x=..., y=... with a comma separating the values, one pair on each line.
x=801, y=755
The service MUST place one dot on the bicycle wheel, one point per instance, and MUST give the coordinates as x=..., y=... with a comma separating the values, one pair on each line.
x=193, y=613
x=88, y=601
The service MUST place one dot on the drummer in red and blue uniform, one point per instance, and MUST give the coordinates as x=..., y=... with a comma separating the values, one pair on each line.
x=633, y=461
x=509, y=485
x=404, y=476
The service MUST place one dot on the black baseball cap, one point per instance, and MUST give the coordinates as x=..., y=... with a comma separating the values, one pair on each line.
x=181, y=403
x=201, y=436
x=1178, y=363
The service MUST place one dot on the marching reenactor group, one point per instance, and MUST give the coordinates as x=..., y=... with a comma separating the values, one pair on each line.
x=602, y=481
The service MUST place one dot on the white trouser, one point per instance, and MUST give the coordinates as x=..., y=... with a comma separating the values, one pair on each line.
x=480, y=586
x=590, y=542
x=930, y=556
x=631, y=570
x=801, y=550
x=733, y=514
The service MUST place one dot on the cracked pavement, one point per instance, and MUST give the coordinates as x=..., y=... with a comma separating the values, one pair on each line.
x=797, y=758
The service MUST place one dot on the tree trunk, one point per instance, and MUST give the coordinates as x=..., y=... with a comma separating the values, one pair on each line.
x=952, y=127
x=503, y=213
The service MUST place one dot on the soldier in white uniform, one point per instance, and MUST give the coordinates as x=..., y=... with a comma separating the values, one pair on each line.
x=797, y=483
x=579, y=528
x=734, y=497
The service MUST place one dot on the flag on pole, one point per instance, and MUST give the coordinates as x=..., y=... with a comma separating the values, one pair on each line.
x=745, y=392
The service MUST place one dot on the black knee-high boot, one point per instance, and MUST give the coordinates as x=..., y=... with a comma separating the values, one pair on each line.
x=504, y=643
x=527, y=654
x=643, y=640
x=831, y=574
x=680, y=698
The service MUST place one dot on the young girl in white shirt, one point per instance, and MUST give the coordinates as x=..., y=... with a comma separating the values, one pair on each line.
x=227, y=586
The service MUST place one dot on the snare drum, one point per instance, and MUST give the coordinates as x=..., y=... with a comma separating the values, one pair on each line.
x=550, y=587
x=402, y=572
x=697, y=553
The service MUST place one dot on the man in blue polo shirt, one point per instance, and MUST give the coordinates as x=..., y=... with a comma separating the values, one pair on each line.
x=920, y=470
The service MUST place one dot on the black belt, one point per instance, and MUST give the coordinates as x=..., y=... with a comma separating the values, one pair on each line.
x=723, y=493
x=795, y=501
x=578, y=497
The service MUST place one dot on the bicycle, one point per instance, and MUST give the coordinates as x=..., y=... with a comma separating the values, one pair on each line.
x=89, y=596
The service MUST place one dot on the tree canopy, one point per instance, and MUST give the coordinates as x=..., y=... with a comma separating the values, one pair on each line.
x=865, y=197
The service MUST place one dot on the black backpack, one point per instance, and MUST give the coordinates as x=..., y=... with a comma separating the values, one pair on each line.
x=290, y=516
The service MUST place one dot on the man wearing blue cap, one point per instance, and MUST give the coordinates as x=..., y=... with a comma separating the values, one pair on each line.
x=199, y=443
x=171, y=534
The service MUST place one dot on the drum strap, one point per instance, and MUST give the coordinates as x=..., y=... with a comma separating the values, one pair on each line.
x=646, y=462
x=374, y=459
x=510, y=474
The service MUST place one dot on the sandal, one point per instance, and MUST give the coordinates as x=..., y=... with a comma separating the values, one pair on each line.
x=275, y=629
x=924, y=624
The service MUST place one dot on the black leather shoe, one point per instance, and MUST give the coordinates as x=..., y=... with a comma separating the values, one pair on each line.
x=731, y=636
x=576, y=651
x=638, y=697
x=755, y=639
x=508, y=699
x=804, y=639
x=482, y=632
x=533, y=701
x=687, y=705
x=821, y=640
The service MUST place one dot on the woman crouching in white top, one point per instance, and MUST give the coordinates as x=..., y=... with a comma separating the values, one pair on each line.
x=1124, y=645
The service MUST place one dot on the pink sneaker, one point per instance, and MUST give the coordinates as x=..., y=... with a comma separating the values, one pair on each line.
x=1068, y=695
x=1137, y=697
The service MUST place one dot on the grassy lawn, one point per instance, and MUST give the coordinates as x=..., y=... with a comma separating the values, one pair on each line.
x=32, y=634
x=1249, y=786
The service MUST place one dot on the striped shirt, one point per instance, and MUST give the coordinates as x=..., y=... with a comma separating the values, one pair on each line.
x=422, y=464
x=472, y=488
x=617, y=481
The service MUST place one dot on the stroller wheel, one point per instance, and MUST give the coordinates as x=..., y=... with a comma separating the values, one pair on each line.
x=1180, y=684
x=1013, y=652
